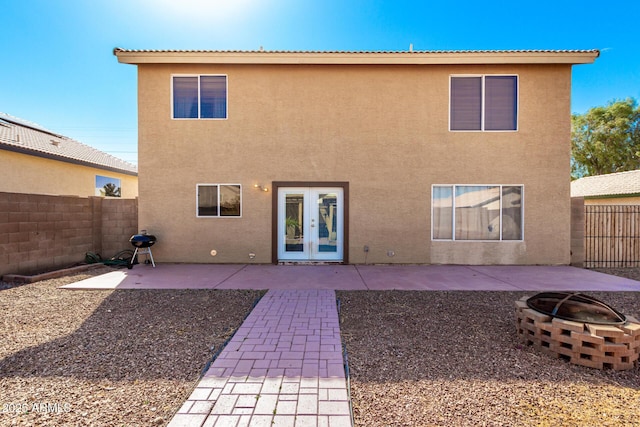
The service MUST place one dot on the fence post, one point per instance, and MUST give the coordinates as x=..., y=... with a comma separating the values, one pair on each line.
x=577, y=232
x=96, y=218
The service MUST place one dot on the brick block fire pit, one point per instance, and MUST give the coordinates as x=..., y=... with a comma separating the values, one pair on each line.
x=597, y=346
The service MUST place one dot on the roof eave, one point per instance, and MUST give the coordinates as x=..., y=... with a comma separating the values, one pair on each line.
x=610, y=196
x=50, y=156
x=356, y=58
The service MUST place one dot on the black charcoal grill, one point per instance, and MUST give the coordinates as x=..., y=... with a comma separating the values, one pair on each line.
x=142, y=242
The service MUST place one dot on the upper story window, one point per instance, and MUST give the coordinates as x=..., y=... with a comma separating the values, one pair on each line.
x=199, y=97
x=484, y=103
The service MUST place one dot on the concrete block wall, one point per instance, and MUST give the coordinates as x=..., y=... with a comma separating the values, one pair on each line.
x=577, y=232
x=41, y=232
x=119, y=222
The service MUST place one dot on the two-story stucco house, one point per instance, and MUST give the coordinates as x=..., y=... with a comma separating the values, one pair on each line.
x=356, y=157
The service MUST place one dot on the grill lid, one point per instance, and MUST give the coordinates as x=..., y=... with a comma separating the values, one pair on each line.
x=577, y=307
x=142, y=240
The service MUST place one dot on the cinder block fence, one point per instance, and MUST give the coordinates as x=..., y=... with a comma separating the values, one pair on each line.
x=41, y=232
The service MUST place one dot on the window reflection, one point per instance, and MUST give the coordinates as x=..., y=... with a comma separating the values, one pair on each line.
x=477, y=212
x=294, y=218
x=328, y=222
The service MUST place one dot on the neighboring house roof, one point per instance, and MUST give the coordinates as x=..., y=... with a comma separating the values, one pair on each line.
x=132, y=56
x=614, y=184
x=25, y=137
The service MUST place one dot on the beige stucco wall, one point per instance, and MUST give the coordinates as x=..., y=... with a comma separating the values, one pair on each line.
x=383, y=129
x=23, y=173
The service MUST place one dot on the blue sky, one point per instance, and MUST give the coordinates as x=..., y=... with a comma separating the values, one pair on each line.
x=58, y=69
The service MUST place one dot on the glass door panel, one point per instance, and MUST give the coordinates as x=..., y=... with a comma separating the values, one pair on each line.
x=292, y=224
x=294, y=221
x=310, y=224
x=327, y=214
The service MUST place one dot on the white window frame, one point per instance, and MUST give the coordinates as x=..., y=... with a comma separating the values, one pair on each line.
x=453, y=212
x=482, y=106
x=226, y=82
x=218, y=185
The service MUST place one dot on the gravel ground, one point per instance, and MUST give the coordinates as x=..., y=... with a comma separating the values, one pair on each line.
x=107, y=358
x=130, y=357
x=453, y=359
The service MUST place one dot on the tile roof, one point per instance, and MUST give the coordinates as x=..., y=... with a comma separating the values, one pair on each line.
x=338, y=57
x=391, y=52
x=30, y=138
x=614, y=184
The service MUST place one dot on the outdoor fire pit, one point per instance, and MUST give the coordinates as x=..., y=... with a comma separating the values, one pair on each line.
x=576, y=307
x=580, y=329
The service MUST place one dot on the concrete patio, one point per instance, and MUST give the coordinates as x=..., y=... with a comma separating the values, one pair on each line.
x=358, y=277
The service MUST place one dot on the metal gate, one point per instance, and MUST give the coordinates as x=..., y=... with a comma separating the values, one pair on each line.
x=612, y=236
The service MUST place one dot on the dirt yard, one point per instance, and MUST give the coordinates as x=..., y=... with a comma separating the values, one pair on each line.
x=131, y=357
x=107, y=358
x=453, y=359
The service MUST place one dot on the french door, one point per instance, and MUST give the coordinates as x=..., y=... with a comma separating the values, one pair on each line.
x=310, y=223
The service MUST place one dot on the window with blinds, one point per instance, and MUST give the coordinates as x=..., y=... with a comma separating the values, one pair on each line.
x=483, y=103
x=199, y=97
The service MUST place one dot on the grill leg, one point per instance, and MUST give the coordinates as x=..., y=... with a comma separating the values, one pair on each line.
x=151, y=256
x=146, y=251
x=130, y=264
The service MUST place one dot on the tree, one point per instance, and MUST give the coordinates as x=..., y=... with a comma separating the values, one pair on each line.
x=111, y=190
x=606, y=139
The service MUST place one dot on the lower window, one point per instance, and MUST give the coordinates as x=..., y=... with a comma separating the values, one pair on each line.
x=477, y=212
x=216, y=200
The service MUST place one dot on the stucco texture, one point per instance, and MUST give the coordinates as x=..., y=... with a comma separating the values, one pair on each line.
x=35, y=175
x=383, y=129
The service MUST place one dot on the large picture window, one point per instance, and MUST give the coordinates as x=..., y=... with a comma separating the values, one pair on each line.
x=219, y=200
x=477, y=212
x=199, y=97
x=484, y=103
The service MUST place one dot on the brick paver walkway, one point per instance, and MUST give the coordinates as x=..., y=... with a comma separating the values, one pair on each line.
x=283, y=367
